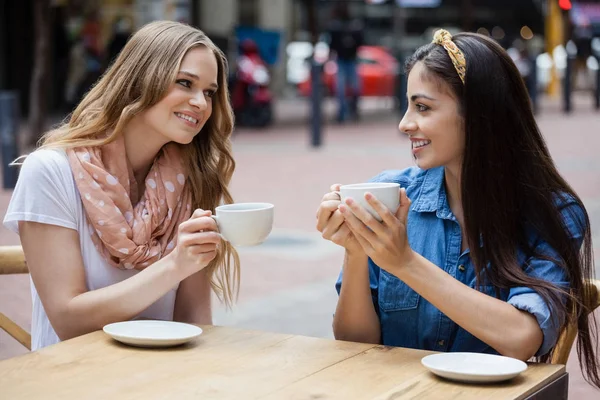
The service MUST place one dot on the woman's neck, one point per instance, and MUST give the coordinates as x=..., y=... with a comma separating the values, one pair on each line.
x=453, y=191
x=141, y=150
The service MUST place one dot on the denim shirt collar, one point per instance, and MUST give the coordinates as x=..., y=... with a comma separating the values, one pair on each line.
x=432, y=196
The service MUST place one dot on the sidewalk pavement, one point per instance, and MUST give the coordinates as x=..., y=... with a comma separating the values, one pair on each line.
x=288, y=282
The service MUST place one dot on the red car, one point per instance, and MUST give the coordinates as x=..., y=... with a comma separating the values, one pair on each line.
x=377, y=71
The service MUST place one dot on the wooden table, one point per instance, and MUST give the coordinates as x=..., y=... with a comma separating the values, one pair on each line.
x=228, y=363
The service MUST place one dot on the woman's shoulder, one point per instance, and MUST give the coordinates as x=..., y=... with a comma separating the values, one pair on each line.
x=46, y=168
x=45, y=191
x=44, y=155
x=405, y=177
x=46, y=161
x=570, y=210
x=573, y=213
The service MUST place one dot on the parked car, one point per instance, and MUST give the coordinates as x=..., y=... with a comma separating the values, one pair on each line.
x=377, y=70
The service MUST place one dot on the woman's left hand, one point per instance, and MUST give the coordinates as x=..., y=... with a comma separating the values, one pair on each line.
x=384, y=242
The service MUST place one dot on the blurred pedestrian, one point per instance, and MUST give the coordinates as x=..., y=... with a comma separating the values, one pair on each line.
x=519, y=53
x=76, y=72
x=121, y=32
x=345, y=39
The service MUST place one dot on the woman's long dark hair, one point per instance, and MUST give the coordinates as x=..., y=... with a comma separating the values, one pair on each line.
x=510, y=185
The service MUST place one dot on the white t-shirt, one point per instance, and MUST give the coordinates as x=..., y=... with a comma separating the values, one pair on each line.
x=46, y=193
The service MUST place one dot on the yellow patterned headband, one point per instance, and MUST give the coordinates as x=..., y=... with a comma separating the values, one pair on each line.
x=444, y=38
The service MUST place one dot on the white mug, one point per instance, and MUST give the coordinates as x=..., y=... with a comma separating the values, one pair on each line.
x=387, y=193
x=245, y=224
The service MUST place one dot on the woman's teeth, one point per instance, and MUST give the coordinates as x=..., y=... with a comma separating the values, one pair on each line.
x=420, y=143
x=187, y=118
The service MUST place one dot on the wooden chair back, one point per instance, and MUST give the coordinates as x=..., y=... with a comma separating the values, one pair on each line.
x=567, y=336
x=12, y=261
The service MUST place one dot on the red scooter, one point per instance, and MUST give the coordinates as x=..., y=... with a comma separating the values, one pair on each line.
x=250, y=95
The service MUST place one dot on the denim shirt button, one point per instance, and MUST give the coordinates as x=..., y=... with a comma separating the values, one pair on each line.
x=441, y=343
x=461, y=268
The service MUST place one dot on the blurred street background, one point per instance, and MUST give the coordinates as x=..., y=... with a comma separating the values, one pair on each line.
x=290, y=143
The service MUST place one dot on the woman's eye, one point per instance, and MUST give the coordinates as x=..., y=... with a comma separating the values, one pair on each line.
x=210, y=93
x=422, y=108
x=185, y=83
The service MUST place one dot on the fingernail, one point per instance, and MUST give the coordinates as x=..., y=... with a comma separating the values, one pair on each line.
x=368, y=196
x=342, y=208
x=349, y=201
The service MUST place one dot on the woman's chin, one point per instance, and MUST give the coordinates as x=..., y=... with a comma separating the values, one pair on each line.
x=421, y=163
x=425, y=164
x=182, y=139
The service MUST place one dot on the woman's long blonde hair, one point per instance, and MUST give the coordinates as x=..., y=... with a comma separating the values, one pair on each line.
x=139, y=78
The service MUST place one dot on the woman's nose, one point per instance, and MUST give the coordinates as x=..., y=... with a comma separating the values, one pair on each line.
x=198, y=100
x=407, y=126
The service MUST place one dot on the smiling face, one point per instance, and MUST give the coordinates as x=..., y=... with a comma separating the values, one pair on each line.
x=433, y=122
x=182, y=112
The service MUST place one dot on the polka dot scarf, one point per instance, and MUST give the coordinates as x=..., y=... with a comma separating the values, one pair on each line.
x=131, y=235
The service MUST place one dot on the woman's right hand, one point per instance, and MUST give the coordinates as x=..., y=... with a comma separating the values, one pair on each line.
x=331, y=224
x=198, y=241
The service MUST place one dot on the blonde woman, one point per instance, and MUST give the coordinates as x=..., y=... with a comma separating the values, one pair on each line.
x=113, y=211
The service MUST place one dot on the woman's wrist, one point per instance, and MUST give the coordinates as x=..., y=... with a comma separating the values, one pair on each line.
x=357, y=260
x=169, y=265
x=356, y=256
x=407, y=266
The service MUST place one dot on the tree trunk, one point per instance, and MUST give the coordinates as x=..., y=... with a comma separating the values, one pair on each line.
x=38, y=104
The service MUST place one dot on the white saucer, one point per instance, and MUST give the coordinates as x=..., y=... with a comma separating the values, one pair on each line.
x=152, y=333
x=473, y=367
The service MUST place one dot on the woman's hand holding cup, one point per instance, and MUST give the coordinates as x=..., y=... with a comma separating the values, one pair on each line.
x=331, y=224
x=381, y=233
x=198, y=241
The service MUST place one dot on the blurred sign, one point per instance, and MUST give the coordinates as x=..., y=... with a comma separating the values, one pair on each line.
x=585, y=16
x=267, y=41
x=585, y=13
x=564, y=4
x=152, y=10
x=418, y=3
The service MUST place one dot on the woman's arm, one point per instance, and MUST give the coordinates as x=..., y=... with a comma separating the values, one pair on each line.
x=54, y=260
x=355, y=318
x=511, y=332
x=193, y=301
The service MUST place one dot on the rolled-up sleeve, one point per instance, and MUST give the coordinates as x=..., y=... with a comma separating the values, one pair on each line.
x=527, y=299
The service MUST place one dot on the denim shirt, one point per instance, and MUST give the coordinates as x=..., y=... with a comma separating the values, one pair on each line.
x=407, y=319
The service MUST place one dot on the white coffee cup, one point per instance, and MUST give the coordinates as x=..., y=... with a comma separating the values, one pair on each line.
x=245, y=224
x=387, y=193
